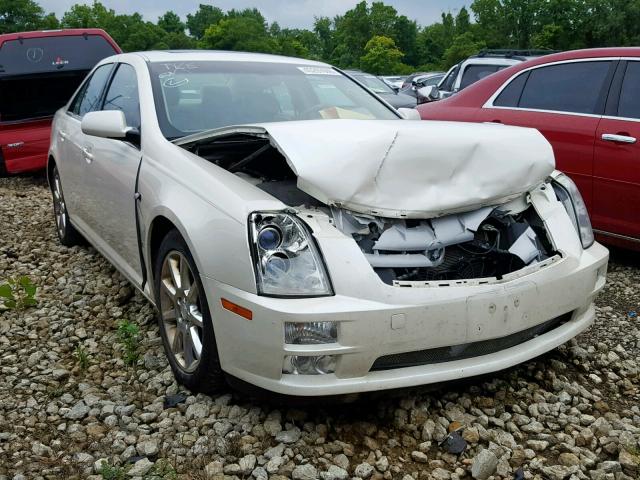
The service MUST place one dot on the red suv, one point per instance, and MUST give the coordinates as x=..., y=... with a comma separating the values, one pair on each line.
x=587, y=104
x=39, y=71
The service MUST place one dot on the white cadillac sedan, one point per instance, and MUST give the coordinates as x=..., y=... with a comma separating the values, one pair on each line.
x=295, y=232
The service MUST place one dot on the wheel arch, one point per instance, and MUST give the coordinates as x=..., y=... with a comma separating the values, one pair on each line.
x=162, y=223
x=51, y=162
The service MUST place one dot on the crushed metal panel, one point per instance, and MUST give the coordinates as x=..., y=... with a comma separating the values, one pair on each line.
x=394, y=168
x=400, y=238
x=412, y=169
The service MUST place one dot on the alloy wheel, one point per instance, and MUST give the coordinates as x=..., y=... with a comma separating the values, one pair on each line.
x=180, y=311
x=59, y=205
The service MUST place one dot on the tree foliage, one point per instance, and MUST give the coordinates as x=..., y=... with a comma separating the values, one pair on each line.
x=381, y=56
x=372, y=36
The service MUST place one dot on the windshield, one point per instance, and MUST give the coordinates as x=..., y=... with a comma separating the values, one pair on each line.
x=195, y=96
x=373, y=83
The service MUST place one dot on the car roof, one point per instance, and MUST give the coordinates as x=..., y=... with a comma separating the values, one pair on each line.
x=53, y=33
x=491, y=61
x=585, y=53
x=221, y=55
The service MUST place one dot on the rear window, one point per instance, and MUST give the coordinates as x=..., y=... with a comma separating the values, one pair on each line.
x=473, y=73
x=38, y=75
x=569, y=87
x=53, y=54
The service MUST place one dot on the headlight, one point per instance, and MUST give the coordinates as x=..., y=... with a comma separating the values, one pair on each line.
x=287, y=261
x=570, y=197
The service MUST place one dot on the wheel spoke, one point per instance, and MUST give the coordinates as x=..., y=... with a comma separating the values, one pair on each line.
x=170, y=315
x=195, y=317
x=169, y=289
x=178, y=342
x=192, y=294
x=174, y=271
x=196, y=342
x=187, y=348
x=185, y=271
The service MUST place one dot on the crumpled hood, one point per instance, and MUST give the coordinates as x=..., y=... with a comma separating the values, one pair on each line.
x=411, y=169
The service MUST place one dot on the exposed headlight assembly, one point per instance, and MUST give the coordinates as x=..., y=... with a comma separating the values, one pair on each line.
x=570, y=197
x=287, y=260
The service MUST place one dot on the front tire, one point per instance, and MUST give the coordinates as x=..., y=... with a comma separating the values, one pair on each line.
x=184, y=319
x=67, y=233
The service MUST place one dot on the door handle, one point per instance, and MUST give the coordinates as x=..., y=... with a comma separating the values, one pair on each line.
x=614, y=137
x=63, y=135
x=88, y=156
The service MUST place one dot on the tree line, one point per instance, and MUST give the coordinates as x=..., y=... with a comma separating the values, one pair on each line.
x=373, y=37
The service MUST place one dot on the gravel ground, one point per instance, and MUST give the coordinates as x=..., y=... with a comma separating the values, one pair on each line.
x=70, y=407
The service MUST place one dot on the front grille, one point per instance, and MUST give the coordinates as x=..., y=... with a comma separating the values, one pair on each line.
x=467, y=350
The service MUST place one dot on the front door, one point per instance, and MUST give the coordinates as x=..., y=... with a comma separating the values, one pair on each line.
x=110, y=177
x=616, y=169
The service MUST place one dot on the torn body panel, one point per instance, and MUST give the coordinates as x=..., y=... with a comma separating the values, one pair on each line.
x=394, y=169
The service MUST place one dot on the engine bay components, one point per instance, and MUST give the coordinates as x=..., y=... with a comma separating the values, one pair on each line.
x=483, y=243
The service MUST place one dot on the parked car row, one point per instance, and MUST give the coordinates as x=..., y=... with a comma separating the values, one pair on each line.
x=395, y=98
x=473, y=69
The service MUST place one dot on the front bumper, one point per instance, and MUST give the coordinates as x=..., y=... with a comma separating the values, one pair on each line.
x=395, y=320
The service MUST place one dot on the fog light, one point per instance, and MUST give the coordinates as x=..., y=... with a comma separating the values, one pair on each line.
x=310, y=333
x=301, y=365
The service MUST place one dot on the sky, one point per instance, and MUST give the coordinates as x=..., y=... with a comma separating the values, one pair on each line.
x=288, y=13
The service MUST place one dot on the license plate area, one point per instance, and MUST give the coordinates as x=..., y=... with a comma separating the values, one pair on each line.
x=502, y=312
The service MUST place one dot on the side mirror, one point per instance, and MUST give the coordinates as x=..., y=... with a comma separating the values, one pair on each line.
x=395, y=88
x=409, y=114
x=431, y=92
x=106, y=124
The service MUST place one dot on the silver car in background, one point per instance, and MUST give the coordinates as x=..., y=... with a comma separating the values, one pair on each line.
x=296, y=233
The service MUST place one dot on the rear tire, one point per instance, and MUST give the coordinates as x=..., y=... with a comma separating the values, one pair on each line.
x=184, y=319
x=67, y=233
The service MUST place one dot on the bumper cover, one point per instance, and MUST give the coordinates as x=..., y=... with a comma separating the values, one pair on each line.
x=394, y=321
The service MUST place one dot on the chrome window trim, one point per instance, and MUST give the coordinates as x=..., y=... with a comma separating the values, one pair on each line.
x=492, y=98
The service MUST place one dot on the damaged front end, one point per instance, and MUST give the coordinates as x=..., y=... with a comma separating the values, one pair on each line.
x=483, y=244
x=422, y=205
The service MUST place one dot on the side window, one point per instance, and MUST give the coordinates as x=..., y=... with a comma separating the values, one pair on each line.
x=563, y=87
x=510, y=96
x=473, y=73
x=88, y=98
x=629, y=105
x=123, y=95
x=448, y=81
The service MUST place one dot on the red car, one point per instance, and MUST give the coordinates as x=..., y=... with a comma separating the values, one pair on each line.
x=587, y=104
x=39, y=71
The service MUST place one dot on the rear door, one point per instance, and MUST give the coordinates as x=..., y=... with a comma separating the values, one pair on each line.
x=616, y=168
x=564, y=101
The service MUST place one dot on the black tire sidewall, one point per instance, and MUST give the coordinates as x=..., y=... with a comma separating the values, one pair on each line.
x=208, y=376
